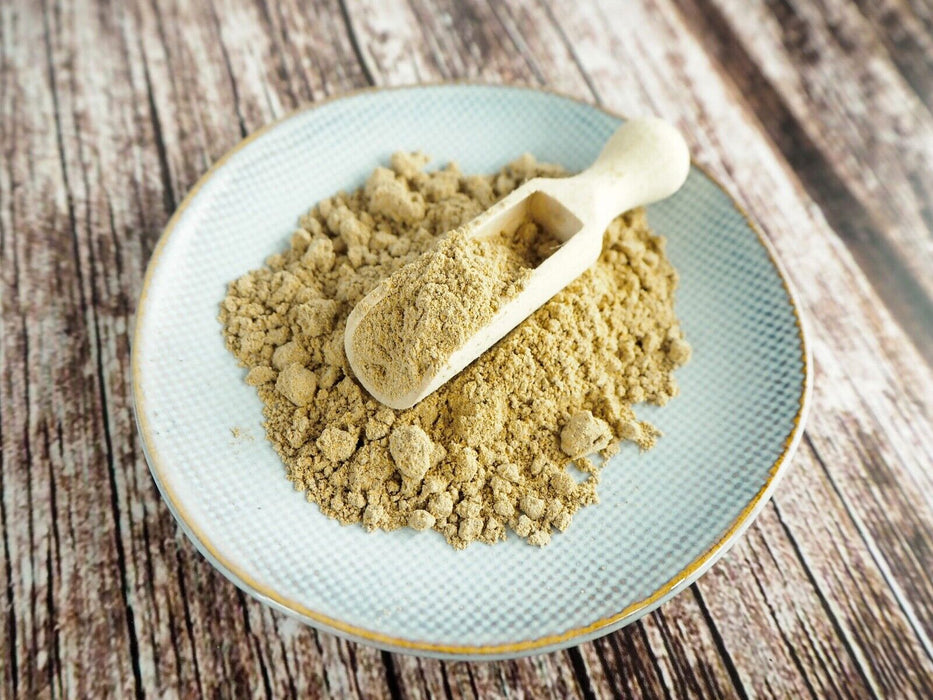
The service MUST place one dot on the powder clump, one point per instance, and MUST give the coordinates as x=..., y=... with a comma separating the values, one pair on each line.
x=507, y=444
x=296, y=383
x=584, y=434
x=411, y=450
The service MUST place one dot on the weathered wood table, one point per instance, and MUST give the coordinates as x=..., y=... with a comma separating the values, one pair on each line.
x=816, y=114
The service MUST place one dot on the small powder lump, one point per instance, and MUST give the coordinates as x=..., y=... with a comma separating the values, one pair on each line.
x=507, y=444
x=433, y=305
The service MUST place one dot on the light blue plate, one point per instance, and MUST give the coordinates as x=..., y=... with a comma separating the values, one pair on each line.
x=664, y=517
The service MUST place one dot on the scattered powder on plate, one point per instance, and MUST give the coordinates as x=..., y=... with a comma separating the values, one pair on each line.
x=505, y=444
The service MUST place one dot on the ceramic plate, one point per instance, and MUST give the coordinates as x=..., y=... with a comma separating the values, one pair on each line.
x=665, y=516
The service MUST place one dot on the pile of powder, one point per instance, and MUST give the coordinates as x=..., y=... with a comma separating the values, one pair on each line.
x=504, y=444
x=433, y=305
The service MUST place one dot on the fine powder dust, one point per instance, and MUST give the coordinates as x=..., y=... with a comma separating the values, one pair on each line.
x=504, y=445
x=434, y=304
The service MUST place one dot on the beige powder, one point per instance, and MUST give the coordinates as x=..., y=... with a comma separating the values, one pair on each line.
x=489, y=451
x=434, y=304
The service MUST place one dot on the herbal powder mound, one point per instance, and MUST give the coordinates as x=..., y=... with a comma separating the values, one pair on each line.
x=490, y=450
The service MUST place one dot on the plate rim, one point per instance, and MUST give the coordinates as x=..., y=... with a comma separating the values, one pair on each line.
x=576, y=635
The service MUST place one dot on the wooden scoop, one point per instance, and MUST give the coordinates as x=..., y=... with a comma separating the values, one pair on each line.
x=645, y=160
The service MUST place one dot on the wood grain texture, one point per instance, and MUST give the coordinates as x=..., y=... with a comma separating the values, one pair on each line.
x=822, y=82
x=815, y=114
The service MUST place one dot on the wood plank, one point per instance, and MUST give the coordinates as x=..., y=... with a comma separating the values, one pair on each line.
x=51, y=418
x=861, y=140
x=809, y=523
x=830, y=537
x=385, y=42
x=906, y=30
x=96, y=114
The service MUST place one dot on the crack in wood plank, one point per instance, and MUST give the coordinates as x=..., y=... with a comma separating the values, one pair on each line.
x=233, y=82
x=355, y=43
x=10, y=665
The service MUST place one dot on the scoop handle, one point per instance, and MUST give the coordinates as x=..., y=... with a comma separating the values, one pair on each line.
x=644, y=161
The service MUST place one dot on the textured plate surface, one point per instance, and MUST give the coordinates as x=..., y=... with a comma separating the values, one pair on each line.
x=664, y=516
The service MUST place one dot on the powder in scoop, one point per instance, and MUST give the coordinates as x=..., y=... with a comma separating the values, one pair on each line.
x=434, y=304
x=507, y=444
